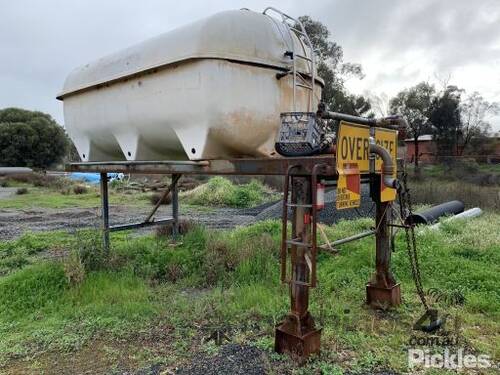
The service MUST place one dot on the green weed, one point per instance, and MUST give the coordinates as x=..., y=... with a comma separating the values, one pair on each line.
x=219, y=191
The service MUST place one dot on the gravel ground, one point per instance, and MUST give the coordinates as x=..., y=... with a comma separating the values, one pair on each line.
x=14, y=222
x=329, y=214
x=232, y=359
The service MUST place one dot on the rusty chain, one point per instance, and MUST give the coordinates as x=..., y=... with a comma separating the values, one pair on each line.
x=411, y=243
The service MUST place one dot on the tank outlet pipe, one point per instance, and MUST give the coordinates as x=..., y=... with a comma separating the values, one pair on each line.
x=432, y=215
x=468, y=214
x=391, y=122
x=387, y=166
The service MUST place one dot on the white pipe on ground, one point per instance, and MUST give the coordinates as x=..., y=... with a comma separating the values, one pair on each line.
x=468, y=214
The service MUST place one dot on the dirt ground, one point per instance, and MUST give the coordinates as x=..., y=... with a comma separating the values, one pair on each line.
x=14, y=222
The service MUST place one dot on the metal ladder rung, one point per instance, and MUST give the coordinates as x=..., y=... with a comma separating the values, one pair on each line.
x=296, y=282
x=298, y=243
x=303, y=57
x=298, y=31
x=299, y=205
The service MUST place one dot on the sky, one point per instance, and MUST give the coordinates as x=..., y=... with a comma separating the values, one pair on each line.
x=398, y=42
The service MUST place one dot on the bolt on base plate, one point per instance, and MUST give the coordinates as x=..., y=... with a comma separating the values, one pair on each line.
x=298, y=337
x=383, y=297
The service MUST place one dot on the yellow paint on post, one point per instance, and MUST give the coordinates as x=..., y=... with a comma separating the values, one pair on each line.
x=388, y=139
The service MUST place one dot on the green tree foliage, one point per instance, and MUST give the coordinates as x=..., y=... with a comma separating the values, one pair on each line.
x=446, y=121
x=334, y=71
x=474, y=111
x=414, y=104
x=30, y=139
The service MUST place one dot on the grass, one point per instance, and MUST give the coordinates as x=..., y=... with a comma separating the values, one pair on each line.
x=477, y=185
x=435, y=192
x=60, y=193
x=150, y=302
x=45, y=198
x=220, y=191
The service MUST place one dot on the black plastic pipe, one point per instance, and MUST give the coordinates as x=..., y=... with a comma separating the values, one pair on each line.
x=431, y=215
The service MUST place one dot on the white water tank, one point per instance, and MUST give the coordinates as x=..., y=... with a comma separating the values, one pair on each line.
x=208, y=90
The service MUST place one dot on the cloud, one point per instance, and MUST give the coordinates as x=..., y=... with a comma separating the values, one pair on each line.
x=399, y=43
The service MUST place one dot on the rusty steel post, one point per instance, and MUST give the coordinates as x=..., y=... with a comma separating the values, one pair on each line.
x=297, y=334
x=175, y=206
x=383, y=290
x=105, y=211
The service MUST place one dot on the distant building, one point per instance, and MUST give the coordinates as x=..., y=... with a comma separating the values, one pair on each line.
x=427, y=149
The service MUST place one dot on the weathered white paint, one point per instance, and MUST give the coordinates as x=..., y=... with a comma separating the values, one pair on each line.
x=207, y=90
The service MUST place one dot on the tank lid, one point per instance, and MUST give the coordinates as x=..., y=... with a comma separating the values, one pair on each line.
x=239, y=35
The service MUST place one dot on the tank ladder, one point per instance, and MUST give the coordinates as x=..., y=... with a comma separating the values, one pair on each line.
x=300, y=32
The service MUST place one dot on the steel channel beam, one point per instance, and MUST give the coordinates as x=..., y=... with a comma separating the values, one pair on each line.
x=274, y=166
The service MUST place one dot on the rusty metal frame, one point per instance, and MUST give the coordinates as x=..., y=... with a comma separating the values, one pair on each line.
x=257, y=167
x=297, y=333
x=149, y=221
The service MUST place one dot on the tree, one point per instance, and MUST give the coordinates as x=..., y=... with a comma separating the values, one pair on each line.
x=473, y=111
x=414, y=104
x=30, y=139
x=445, y=118
x=334, y=71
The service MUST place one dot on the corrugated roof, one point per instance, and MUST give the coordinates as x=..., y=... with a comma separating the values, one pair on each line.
x=425, y=137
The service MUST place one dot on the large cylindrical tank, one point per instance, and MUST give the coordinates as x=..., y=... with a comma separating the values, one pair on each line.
x=207, y=90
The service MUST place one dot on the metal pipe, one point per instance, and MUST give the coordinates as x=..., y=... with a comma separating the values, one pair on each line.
x=392, y=122
x=469, y=214
x=432, y=214
x=175, y=178
x=349, y=239
x=142, y=224
x=387, y=166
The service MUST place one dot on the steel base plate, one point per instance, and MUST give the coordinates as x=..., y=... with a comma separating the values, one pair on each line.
x=378, y=297
x=298, y=346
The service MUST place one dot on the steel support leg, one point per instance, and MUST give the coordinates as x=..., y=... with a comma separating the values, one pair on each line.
x=105, y=211
x=297, y=334
x=175, y=206
x=383, y=290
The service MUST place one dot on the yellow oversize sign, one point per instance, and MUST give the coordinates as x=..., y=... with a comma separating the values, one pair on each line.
x=353, y=158
x=353, y=146
x=388, y=139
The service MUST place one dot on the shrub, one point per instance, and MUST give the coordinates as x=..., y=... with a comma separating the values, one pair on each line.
x=22, y=191
x=90, y=250
x=30, y=139
x=156, y=197
x=219, y=191
x=184, y=226
x=432, y=192
x=4, y=183
x=74, y=268
x=80, y=189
